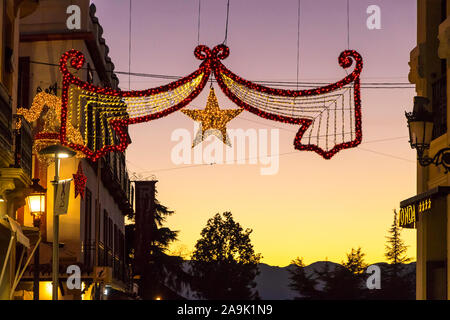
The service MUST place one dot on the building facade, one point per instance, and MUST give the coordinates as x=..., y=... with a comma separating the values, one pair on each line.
x=429, y=72
x=92, y=233
x=15, y=145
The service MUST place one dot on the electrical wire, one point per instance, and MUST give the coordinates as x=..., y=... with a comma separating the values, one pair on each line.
x=321, y=136
x=386, y=155
x=298, y=41
x=289, y=153
x=348, y=24
x=226, y=24
x=367, y=85
x=274, y=155
x=129, y=50
x=198, y=22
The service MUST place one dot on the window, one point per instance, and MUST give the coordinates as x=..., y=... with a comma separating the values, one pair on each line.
x=439, y=91
x=104, y=259
x=87, y=227
x=110, y=242
x=7, y=47
x=108, y=235
x=116, y=241
x=132, y=196
x=439, y=105
x=121, y=246
x=23, y=90
x=105, y=227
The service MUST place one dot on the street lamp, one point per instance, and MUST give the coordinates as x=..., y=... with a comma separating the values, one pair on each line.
x=36, y=204
x=420, y=125
x=36, y=201
x=56, y=152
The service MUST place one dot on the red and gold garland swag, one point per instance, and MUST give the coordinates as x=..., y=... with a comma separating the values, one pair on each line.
x=329, y=117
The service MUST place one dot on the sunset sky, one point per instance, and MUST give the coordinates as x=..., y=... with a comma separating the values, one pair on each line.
x=312, y=208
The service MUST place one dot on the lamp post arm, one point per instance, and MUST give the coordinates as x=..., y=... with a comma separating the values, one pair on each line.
x=442, y=157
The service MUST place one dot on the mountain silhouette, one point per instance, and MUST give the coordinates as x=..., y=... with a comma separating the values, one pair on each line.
x=273, y=282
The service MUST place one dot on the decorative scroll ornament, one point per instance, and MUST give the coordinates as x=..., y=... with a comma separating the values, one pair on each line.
x=329, y=117
x=213, y=120
x=47, y=107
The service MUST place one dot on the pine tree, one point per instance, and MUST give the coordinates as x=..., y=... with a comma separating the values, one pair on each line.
x=162, y=270
x=355, y=262
x=165, y=270
x=395, y=286
x=396, y=248
x=338, y=283
x=343, y=282
x=300, y=283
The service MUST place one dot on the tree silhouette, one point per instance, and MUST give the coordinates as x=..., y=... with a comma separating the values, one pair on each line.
x=164, y=273
x=340, y=284
x=344, y=282
x=395, y=247
x=355, y=261
x=224, y=264
x=395, y=285
x=300, y=283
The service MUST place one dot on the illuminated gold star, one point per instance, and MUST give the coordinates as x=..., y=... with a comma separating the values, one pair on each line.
x=213, y=120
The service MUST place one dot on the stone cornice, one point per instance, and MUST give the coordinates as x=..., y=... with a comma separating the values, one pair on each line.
x=17, y=175
x=417, y=68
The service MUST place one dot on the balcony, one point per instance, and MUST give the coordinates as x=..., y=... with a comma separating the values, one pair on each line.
x=106, y=258
x=115, y=179
x=6, y=138
x=88, y=251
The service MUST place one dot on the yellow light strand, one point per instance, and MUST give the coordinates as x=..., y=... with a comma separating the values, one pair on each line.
x=52, y=122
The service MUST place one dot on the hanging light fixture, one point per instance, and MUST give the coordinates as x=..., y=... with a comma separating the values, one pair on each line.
x=36, y=200
x=420, y=125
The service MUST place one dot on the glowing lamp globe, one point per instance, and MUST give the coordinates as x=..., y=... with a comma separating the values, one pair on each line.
x=36, y=199
x=420, y=125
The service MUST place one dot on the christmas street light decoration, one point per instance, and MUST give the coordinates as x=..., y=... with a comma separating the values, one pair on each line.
x=329, y=117
x=213, y=120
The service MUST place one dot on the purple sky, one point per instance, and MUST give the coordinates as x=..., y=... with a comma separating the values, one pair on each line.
x=312, y=208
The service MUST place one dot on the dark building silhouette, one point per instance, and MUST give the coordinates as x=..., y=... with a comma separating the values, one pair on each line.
x=145, y=219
